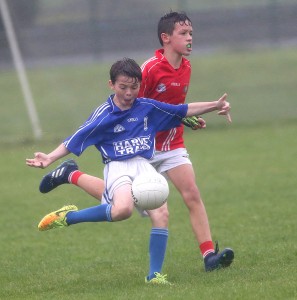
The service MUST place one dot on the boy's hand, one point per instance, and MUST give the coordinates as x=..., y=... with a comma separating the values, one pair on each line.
x=224, y=107
x=40, y=160
x=194, y=122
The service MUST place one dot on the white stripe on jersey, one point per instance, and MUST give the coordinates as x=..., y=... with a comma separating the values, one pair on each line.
x=169, y=138
x=159, y=108
x=104, y=153
x=98, y=112
x=148, y=61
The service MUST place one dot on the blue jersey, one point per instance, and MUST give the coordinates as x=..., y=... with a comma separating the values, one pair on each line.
x=121, y=135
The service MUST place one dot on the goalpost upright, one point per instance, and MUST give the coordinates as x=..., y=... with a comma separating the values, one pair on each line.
x=20, y=69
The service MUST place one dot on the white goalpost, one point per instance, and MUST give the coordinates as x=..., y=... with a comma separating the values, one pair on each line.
x=20, y=69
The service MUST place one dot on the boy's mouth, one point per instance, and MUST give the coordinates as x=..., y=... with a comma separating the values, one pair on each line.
x=189, y=46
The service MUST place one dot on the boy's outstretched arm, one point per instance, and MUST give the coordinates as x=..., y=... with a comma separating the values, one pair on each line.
x=199, y=108
x=42, y=160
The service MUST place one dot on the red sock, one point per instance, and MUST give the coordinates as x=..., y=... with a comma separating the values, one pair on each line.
x=73, y=177
x=206, y=248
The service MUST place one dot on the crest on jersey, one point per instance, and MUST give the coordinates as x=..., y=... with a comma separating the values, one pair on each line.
x=118, y=128
x=161, y=88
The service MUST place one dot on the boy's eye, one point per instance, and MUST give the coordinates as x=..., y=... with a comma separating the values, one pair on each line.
x=134, y=87
x=186, y=32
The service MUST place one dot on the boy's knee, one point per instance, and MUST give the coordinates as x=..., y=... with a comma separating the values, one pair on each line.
x=160, y=217
x=121, y=213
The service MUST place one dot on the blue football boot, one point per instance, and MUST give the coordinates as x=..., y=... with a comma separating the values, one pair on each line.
x=57, y=176
x=218, y=260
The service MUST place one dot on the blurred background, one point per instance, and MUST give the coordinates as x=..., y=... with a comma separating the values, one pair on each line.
x=66, y=47
x=51, y=31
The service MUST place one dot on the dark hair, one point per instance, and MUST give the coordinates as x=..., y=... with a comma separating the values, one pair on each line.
x=167, y=22
x=127, y=67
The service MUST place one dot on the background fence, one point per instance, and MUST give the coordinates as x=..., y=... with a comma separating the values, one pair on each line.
x=67, y=29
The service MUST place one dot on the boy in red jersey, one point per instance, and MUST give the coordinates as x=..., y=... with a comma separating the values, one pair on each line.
x=166, y=76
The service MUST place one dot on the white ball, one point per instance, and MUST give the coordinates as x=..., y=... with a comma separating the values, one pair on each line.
x=149, y=191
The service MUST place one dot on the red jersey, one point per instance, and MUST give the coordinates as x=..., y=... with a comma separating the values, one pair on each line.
x=162, y=82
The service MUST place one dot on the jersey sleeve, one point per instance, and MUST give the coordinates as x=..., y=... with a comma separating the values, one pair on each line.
x=166, y=115
x=88, y=134
x=174, y=115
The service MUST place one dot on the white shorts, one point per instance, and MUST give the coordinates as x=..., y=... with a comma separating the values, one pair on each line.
x=118, y=173
x=167, y=160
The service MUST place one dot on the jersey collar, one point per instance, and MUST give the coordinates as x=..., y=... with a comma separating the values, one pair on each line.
x=160, y=55
x=113, y=107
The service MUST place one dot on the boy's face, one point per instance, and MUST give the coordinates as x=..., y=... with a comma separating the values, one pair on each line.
x=181, y=39
x=126, y=90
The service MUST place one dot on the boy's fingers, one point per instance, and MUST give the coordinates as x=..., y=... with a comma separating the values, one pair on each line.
x=227, y=114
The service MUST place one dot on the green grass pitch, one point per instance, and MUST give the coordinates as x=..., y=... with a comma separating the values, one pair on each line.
x=246, y=172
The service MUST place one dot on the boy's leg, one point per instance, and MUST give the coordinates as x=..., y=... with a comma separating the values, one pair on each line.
x=121, y=209
x=92, y=185
x=158, y=244
x=69, y=215
x=183, y=178
x=157, y=250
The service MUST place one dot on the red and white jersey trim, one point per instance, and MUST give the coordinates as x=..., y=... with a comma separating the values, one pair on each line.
x=170, y=137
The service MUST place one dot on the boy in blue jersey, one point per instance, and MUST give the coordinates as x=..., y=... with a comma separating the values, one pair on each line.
x=123, y=129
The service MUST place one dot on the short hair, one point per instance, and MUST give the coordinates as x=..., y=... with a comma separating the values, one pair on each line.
x=127, y=67
x=167, y=22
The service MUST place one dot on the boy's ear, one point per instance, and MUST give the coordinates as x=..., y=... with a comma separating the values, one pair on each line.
x=165, y=38
x=110, y=84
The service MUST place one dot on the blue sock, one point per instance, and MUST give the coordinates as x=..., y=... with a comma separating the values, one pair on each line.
x=157, y=248
x=99, y=213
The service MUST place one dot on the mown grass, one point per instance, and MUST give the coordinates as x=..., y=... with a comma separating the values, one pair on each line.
x=246, y=173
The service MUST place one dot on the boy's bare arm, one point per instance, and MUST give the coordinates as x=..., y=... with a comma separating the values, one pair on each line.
x=199, y=108
x=42, y=160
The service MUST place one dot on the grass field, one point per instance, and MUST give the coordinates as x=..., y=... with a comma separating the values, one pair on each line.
x=246, y=172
